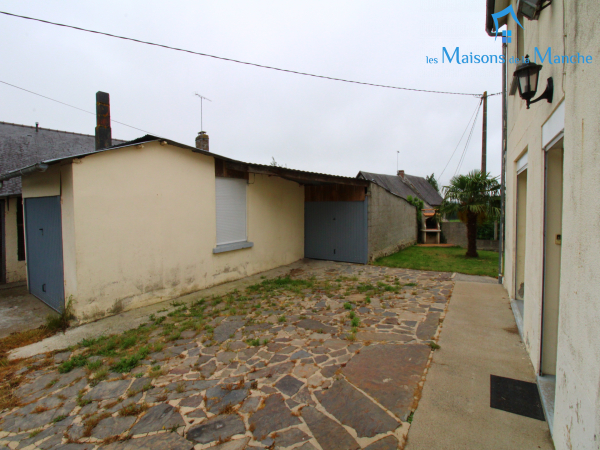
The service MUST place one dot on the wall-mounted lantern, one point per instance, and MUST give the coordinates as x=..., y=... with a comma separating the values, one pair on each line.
x=527, y=77
x=532, y=8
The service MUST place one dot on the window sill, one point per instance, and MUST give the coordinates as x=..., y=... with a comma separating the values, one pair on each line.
x=234, y=246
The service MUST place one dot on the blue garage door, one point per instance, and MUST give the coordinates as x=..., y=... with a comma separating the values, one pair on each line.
x=336, y=231
x=44, y=250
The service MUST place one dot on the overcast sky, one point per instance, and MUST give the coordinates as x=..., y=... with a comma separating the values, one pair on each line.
x=256, y=114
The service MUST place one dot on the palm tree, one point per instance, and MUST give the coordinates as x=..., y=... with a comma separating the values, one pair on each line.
x=475, y=198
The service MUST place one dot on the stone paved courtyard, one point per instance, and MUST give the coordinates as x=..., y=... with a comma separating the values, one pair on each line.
x=331, y=357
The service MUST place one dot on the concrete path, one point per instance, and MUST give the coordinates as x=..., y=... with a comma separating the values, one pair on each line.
x=19, y=310
x=478, y=338
x=474, y=278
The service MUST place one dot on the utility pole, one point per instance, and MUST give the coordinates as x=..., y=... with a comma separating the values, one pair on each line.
x=484, y=136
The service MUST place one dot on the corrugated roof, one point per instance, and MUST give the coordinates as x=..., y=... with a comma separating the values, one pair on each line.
x=299, y=176
x=410, y=185
x=22, y=146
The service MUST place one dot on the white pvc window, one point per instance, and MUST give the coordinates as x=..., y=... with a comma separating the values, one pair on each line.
x=231, y=210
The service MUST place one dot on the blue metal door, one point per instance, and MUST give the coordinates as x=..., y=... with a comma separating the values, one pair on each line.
x=44, y=250
x=336, y=231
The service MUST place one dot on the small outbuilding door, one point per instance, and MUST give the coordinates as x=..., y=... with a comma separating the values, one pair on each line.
x=44, y=250
x=336, y=230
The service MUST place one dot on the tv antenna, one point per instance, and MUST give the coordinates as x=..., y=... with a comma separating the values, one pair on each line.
x=202, y=98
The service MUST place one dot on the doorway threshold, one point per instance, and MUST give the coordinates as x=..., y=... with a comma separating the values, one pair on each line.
x=547, y=387
x=517, y=307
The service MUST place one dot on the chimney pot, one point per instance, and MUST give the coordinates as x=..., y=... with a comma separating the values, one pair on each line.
x=202, y=141
x=37, y=124
x=103, y=131
x=401, y=173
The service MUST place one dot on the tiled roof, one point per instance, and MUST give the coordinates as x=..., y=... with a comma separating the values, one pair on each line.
x=22, y=146
x=403, y=187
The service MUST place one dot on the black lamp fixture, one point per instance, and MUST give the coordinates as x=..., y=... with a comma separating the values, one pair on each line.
x=532, y=8
x=527, y=76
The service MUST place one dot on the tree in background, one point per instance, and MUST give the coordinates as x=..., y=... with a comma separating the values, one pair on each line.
x=475, y=198
x=432, y=181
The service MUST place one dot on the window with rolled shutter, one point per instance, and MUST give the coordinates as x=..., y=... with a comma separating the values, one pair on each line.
x=231, y=210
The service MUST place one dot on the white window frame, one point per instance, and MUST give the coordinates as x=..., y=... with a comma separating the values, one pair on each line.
x=231, y=214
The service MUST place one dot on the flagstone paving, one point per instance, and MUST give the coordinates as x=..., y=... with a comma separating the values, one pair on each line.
x=332, y=357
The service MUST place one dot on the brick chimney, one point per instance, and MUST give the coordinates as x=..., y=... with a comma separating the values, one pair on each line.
x=202, y=141
x=401, y=173
x=103, y=131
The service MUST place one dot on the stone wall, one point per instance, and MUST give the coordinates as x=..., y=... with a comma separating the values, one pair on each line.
x=456, y=233
x=392, y=223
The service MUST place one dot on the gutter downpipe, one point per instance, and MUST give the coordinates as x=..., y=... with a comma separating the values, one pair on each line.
x=35, y=168
x=502, y=173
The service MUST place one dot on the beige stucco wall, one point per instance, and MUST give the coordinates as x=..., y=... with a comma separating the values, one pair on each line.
x=576, y=421
x=392, y=223
x=15, y=270
x=139, y=226
x=42, y=184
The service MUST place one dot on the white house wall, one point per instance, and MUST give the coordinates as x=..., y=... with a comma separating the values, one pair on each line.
x=577, y=407
x=576, y=422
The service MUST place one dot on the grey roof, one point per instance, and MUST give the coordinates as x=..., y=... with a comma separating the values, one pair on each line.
x=403, y=187
x=22, y=146
x=425, y=190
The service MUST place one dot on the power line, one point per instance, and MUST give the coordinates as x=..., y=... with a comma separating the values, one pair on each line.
x=71, y=106
x=462, y=158
x=460, y=140
x=237, y=61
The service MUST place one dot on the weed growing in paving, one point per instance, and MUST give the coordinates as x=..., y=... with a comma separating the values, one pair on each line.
x=133, y=410
x=94, y=365
x=127, y=364
x=34, y=433
x=72, y=363
x=59, y=418
x=99, y=376
x=280, y=284
x=61, y=321
x=82, y=401
x=257, y=342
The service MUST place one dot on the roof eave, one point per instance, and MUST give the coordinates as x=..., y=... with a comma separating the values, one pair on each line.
x=492, y=7
x=297, y=176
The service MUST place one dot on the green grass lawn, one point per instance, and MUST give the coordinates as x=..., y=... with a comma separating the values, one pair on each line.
x=443, y=259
